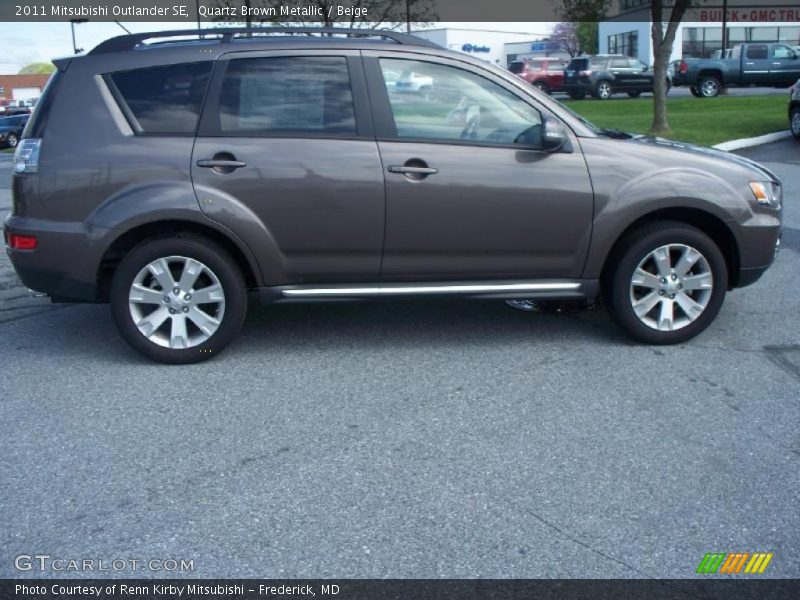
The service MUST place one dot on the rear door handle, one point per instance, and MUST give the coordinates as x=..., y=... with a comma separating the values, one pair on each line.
x=221, y=164
x=414, y=170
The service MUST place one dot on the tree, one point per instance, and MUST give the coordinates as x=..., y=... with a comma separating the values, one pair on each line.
x=566, y=34
x=584, y=16
x=663, y=41
x=39, y=68
x=390, y=14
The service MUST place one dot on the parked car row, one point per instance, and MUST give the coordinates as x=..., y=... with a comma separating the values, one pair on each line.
x=600, y=76
x=754, y=64
x=16, y=107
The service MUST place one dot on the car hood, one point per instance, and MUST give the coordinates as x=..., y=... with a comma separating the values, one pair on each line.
x=743, y=162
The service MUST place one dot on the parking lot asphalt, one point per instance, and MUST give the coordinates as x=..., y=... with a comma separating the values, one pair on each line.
x=409, y=439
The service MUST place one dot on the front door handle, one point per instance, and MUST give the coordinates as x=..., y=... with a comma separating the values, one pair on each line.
x=414, y=170
x=221, y=164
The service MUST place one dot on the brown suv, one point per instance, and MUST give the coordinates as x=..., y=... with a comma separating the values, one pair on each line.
x=285, y=164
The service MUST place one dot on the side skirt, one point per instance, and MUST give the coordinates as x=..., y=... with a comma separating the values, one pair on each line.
x=500, y=290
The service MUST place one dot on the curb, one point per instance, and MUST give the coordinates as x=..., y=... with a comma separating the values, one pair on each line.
x=753, y=141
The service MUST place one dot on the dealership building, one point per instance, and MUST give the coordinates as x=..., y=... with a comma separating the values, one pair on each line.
x=627, y=30
x=497, y=47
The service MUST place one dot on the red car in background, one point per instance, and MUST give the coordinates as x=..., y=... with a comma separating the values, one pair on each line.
x=547, y=74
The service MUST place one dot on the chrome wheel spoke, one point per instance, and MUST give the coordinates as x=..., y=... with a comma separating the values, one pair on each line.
x=642, y=278
x=208, y=295
x=690, y=308
x=160, y=271
x=688, y=259
x=205, y=322
x=150, y=323
x=178, y=337
x=703, y=281
x=661, y=258
x=645, y=304
x=665, y=315
x=145, y=295
x=191, y=271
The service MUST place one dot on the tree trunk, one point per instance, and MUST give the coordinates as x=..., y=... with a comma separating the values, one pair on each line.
x=660, y=124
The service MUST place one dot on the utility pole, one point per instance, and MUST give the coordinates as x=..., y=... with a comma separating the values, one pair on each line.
x=724, y=27
x=408, y=16
x=72, y=23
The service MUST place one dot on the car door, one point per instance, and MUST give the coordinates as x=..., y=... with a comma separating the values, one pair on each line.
x=286, y=155
x=784, y=65
x=641, y=76
x=470, y=194
x=623, y=75
x=756, y=65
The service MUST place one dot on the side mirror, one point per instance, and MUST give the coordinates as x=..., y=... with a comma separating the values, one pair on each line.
x=555, y=136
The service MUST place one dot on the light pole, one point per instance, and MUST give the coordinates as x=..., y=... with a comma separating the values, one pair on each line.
x=72, y=23
x=408, y=16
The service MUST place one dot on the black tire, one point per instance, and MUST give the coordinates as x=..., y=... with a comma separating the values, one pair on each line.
x=667, y=87
x=794, y=122
x=695, y=92
x=616, y=285
x=12, y=140
x=603, y=90
x=542, y=87
x=222, y=265
x=577, y=95
x=709, y=87
x=634, y=94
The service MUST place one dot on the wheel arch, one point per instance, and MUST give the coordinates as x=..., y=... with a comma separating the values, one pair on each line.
x=716, y=73
x=710, y=224
x=171, y=228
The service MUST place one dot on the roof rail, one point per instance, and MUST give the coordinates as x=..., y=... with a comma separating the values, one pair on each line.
x=122, y=43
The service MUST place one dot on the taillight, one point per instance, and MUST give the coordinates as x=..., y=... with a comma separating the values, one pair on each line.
x=26, y=156
x=683, y=67
x=21, y=242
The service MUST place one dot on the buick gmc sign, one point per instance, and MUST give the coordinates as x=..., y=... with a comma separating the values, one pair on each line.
x=474, y=48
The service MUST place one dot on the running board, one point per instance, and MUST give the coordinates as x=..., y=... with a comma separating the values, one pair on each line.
x=508, y=289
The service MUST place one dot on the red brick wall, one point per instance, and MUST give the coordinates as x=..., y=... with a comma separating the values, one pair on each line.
x=9, y=82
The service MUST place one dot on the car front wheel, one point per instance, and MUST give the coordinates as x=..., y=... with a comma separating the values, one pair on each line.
x=178, y=300
x=667, y=283
x=12, y=140
x=794, y=122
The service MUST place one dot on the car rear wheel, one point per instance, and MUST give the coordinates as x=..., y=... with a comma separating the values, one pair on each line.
x=603, y=90
x=667, y=283
x=695, y=92
x=709, y=87
x=12, y=140
x=794, y=122
x=178, y=300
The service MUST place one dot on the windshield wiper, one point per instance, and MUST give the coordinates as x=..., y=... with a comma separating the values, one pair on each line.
x=616, y=134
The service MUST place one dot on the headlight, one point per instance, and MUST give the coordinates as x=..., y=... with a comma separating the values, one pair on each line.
x=767, y=193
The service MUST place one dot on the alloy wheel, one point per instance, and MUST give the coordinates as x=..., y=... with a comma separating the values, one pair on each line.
x=710, y=88
x=176, y=302
x=604, y=90
x=795, y=123
x=671, y=287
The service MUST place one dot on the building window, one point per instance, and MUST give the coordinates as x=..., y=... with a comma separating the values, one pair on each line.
x=624, y=43
x=702, y=42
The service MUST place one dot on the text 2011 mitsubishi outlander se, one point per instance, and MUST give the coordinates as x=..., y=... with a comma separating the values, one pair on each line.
x=204, y=168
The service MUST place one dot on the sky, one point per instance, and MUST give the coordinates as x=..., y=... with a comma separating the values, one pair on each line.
x=24, y=43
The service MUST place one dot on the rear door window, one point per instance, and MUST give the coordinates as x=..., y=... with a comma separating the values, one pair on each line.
x=756, y=51
x=162, y=100
x=306, y=95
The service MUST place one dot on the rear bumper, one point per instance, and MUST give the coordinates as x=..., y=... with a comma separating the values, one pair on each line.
x=64, y=264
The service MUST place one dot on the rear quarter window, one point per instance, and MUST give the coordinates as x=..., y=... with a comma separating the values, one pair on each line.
x=162, y=100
